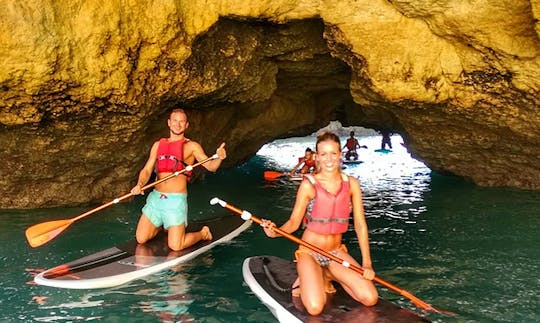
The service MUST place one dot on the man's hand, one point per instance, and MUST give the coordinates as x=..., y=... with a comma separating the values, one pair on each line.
x=222, y=154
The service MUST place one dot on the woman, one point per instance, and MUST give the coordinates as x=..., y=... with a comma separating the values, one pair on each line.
x=307, y=162
x=324, y=200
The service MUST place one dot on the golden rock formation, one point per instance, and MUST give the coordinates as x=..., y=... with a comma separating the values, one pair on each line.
x=85, y=86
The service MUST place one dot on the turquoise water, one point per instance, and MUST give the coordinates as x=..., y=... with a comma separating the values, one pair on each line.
x=473, y=251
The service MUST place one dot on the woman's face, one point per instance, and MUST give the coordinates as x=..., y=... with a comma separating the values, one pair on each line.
x=328, y=155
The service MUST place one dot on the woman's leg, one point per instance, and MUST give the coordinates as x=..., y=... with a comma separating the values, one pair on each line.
x=360, y=289
x=311, y=283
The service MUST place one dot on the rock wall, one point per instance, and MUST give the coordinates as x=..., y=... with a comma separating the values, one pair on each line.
x=85, y=86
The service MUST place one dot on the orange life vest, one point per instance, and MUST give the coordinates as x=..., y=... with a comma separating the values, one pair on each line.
x=329, y=213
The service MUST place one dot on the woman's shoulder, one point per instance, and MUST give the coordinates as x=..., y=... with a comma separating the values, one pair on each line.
x=352, y=180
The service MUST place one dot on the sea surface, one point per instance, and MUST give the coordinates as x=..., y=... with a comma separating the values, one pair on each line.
x=470, y=250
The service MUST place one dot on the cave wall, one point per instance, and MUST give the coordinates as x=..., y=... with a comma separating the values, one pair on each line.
x=85, y=87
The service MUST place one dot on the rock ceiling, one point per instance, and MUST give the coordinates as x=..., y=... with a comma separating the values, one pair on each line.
x=85, y=87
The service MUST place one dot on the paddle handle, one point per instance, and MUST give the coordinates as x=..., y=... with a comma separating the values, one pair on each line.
x=125, y=196
x=248, y=216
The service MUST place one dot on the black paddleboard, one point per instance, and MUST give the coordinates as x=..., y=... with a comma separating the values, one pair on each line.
x=270, y=278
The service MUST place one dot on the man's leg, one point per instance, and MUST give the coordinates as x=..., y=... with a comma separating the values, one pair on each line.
x=146, y=230
x=180, y=239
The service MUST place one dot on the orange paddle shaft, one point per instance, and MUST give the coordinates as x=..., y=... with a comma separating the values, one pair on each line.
x=44, y=232
x=248, y=216
x=144, y=188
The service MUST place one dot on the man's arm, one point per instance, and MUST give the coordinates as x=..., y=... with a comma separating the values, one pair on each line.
x=199, y=154
x=146, y=171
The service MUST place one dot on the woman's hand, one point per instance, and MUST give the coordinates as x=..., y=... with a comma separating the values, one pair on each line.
x=369, y=273
x=268, y=227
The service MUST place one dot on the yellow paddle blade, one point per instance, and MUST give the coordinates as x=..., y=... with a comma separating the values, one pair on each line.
x=41, y=233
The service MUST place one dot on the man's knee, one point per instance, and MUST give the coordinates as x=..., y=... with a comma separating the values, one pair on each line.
x=175, y=246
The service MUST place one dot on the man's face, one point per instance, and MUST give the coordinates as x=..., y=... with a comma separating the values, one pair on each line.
x=178, y=123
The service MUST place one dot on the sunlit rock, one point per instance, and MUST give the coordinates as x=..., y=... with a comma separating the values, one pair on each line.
x=85, y=87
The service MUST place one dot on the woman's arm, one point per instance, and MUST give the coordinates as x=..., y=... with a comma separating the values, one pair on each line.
x=305, y=193
x=360, y=227
x=296, y=167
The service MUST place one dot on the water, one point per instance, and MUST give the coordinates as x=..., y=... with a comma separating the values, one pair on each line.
x=473, y=251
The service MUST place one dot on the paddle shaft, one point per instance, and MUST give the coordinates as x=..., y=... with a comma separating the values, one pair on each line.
x=144, y=188
x=418, y=302
x=44, y=232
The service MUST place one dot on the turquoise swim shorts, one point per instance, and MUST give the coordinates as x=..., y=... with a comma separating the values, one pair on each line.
x=166, y=209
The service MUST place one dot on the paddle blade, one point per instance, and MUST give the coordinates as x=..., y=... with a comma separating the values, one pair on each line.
x=271, y=175
x=423, y=305
x=41, y=233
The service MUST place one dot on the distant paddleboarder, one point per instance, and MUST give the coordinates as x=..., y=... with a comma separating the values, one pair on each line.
x=306, y=164
x=351, y=145
x=386, y=141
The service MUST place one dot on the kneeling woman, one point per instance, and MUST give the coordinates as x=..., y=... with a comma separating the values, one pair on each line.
x=325, y=200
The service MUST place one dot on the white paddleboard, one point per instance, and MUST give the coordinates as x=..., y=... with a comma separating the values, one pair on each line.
x=119, y=265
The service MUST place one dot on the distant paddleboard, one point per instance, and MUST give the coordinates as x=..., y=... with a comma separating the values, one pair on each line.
x=296, y=178
x=119, y=265
x=270, y=278
x=351, y=162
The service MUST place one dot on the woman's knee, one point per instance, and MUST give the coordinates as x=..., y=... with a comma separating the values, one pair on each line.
x=314, y=308
x=370, y=299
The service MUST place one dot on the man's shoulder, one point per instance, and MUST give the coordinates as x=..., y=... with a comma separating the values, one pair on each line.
x=191, y=144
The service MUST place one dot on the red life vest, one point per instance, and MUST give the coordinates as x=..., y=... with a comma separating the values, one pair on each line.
x=307, y=162
x=328, y=213
x=170, y=156
x=351, y=143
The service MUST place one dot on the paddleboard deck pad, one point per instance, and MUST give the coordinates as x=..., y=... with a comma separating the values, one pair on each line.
x=270, y=278
x=119, y=265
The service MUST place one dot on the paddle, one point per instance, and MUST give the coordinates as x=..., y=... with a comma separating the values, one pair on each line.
x=248, y=216
x=41, y=233
x=270, y=175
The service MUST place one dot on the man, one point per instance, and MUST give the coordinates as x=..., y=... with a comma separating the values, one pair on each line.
x=166, y=205
x=351, y=146
x=386, y=139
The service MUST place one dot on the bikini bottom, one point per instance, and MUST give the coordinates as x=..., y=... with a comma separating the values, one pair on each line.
x=323, y=262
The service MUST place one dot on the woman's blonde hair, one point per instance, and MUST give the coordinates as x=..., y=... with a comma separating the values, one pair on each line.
x=325, y=136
